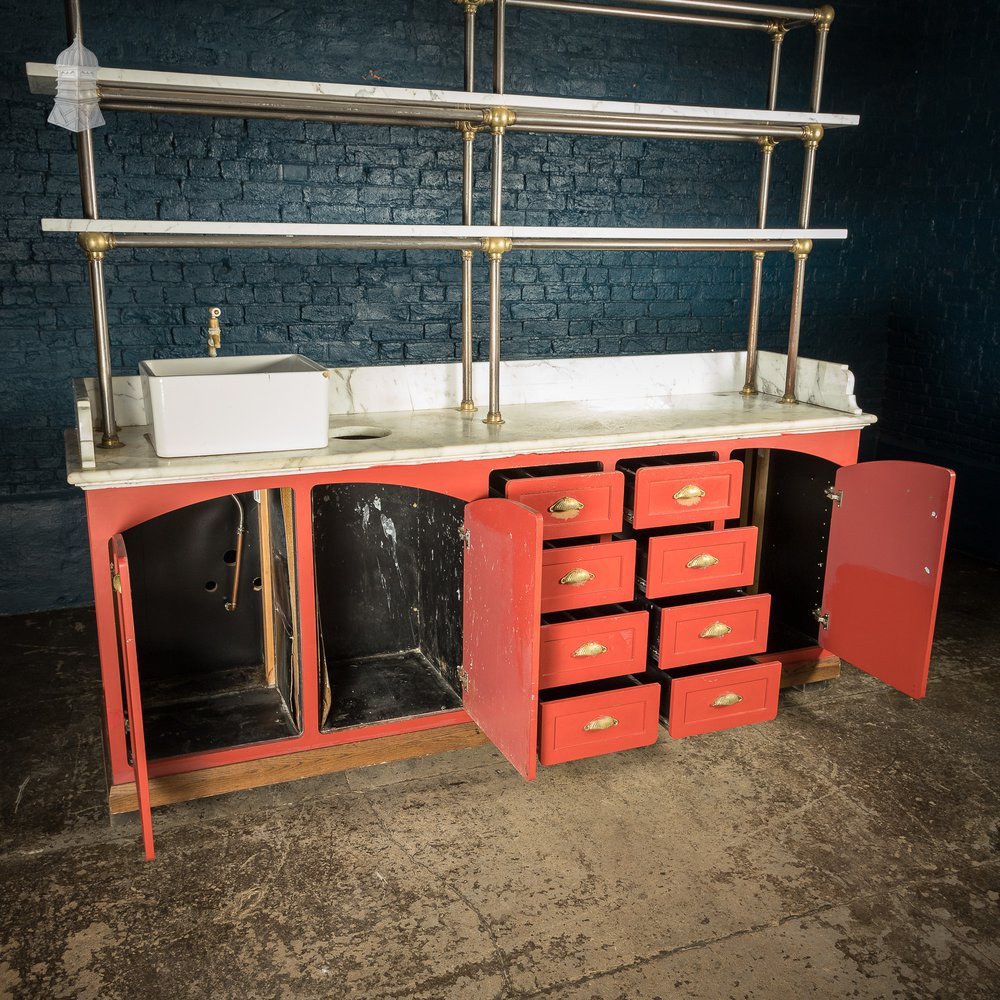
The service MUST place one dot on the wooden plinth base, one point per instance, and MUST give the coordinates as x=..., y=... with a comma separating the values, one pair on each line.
x=290, y=767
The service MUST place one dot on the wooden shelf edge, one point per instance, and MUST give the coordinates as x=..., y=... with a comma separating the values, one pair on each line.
x=294, y=766
x=804, y=666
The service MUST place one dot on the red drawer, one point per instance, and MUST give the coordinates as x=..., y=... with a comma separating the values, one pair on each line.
x=587, y=503
x=699, y=702
x=576, y=576
x=710, y=630
x=591, y=724
x=683, y=494
x=592, y=649
x=697, y=561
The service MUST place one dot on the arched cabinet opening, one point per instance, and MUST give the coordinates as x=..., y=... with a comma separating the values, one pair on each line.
x=214, y=605
x=388, y=602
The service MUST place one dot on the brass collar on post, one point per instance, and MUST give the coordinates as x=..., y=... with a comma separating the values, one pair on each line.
x=95, y=245
x=767, y=144
x=811, y=135
x=823, y=17
x=496, y=246
x=469, y=130
x=471, y=6
x=498, y=119
x=801, y=249
x=777, y=30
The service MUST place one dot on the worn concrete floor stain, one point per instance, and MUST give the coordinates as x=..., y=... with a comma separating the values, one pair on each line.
x=849, y=849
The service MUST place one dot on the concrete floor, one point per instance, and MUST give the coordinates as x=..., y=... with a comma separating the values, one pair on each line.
x=848, y=849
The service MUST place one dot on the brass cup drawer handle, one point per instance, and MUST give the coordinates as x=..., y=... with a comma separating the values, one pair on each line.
x=715, y=631
x=590, y=649
x=727, y=699
x=576, y=578
x=566, y=508
x=703, y=561
x=604, y=722
x=688, y=496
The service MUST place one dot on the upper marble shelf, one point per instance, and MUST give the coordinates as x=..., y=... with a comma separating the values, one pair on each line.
x=432, y=234
x=142, y=90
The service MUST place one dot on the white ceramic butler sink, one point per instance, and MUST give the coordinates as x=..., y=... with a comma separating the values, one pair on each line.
x=232, y=405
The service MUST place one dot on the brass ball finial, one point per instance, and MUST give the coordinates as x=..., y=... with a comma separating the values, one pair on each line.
x=811, y=135
x=823, y=17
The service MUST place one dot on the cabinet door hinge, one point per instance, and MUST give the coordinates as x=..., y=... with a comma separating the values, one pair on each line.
x=463, y=676
x=116, y=583
x=832, y=493
x=822, y=617
x=463, y=533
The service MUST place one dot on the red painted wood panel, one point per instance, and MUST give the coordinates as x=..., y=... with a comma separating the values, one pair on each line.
x=122, y=586
x=599, y=494
x=883, y=572
x=706, y=703
x=501, y=608
x=606, y=571
x=696, y=633
x=682, y=564
x=593, y=649
x=656, y=485
x=572, y=728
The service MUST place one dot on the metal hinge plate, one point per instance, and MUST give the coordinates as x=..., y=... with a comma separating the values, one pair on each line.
x=822, y=617
x=463, y=676
x=116, y=583
x=463, y=533
x=832, y=493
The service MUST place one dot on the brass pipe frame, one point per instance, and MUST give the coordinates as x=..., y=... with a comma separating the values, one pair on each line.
x=813, y=134
x=579, y=243
x=494, y=248
x=238, y=241
x=499, y=43
x=470, y=46
x=800, y=252
x=822, y=18
x=544, y=121
x=499, y=120
x=778, y=31
x=756, y=283
x=767, y=147
x=633, y=133
x=95, y=261
x=571, y=7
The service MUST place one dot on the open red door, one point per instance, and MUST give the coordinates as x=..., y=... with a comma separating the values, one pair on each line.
x=130, y=667
x=502, y=605
x=883, y=571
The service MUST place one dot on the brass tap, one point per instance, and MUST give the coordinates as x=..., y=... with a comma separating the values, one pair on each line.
x=214, y=332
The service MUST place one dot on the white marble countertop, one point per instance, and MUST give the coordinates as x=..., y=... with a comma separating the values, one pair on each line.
x=426, y=436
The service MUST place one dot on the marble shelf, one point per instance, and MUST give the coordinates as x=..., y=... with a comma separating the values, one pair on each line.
x=560, y=234
x=174, y=91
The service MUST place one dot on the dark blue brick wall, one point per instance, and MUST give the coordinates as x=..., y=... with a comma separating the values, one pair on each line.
x=365, y=308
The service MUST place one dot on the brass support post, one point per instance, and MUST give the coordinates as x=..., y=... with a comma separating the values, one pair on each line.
x=498, y=120
x=468, y=131
x=767, y=148
x=95, y=245
x=800, y=251
x=822, y=18
x=777, y=30
x=750, y=383
x=95, y=269
x=811, y=137
x=499, y=43
x=470, y=7
x=495, y=247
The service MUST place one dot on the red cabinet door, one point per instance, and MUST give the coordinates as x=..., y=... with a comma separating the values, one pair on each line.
x=883, y=572
x=130, y=668
x=502, y=605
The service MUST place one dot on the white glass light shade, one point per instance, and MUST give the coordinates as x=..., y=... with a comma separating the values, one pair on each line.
x=77, y=107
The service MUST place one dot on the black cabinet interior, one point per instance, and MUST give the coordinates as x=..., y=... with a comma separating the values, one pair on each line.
x=213, y=676
x=389, y=602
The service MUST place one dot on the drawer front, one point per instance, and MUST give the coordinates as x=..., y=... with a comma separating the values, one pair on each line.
x=592, y=724
x=714, y=630
x=582, y=575
x=704, y=560
x=575, y=652
x=725, y=699
x=588, y=503
x=685, y=494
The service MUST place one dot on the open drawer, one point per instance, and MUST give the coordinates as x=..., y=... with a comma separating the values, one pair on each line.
x=719, y=695
x=594, y=719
